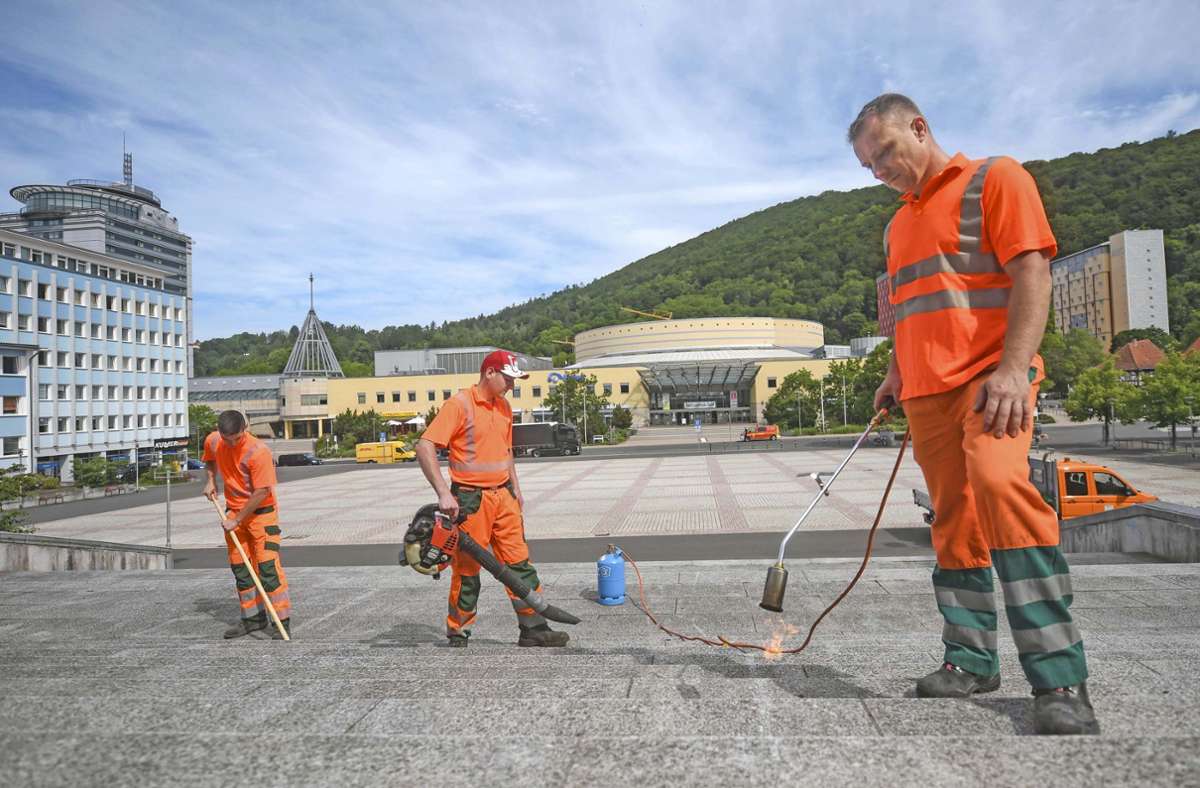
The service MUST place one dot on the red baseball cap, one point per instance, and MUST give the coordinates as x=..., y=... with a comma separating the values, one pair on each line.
x=503, y=362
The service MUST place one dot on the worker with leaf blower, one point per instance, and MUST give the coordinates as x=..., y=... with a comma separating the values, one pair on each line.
x=475, y=426
x=251, y=517
x=968, y=256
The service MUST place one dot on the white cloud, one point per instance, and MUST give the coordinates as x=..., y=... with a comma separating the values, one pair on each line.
x=432, y=162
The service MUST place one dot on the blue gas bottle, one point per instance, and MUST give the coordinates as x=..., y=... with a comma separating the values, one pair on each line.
x=610, y=576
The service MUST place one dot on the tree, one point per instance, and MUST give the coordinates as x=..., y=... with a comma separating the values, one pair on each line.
x=92, y=472
x=430, y=415
x=839, y=389
x=622, y=419
x=1100, y=393
x=353, y=428
x=202, y=420
x=798, y=397
x=1068, y=356
x=1161, y=338
x=1171, y=395
x=874, y=370
x=567, y=399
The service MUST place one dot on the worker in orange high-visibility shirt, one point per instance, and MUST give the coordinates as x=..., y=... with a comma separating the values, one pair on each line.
x=968, y=256
x=476, y=426
x=252, y=517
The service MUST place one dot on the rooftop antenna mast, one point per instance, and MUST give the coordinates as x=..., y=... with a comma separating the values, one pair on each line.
x=128, y=164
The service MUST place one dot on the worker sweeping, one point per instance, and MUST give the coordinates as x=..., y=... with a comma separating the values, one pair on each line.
x=968, y=265
x=252, y=517
x=475, y=426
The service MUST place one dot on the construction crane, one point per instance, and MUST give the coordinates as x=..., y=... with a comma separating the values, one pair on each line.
x=655, y=315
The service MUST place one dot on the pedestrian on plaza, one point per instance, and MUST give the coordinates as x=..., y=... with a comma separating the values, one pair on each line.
x=968, y=256
x=475, y=426
x=252, y=517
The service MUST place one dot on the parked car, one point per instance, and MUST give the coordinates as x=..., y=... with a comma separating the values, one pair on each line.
x=194, y=464
x=768, y=432
x=302, y=458
x=131, y=473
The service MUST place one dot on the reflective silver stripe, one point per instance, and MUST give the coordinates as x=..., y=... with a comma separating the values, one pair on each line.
x=970, y=600
x=1044, y=640
x=991, y=298
x=970, y=214
x=979, y=638
x=969, y=260
x=468, y=462
x=464, y=399
x=946, y=263
x=244, y=465
x=1036, y=589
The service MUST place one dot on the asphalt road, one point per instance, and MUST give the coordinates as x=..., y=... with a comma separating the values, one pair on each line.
x=697, y=547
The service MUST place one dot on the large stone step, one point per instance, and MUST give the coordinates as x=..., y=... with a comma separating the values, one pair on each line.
x=471, y=759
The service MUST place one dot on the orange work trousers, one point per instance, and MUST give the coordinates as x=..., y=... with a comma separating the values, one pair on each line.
x=982, y=497
x=259, y=536
x=493, y=519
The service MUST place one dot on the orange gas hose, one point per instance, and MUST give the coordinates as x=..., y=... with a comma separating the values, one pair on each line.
x=724, y=642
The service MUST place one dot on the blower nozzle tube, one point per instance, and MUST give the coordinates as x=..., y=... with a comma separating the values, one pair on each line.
x=510, y=579
x=776, y=585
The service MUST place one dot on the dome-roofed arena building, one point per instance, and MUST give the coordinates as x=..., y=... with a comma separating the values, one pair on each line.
x=716, y=368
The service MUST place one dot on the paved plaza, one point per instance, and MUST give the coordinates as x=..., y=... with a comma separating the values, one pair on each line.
x=121, y=678
x=730, y=493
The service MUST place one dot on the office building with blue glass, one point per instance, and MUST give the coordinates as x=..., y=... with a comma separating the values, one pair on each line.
x=93, y=356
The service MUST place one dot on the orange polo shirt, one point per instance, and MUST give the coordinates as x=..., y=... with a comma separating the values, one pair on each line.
x=245, y=468
x=946, y=252
x=478, y=433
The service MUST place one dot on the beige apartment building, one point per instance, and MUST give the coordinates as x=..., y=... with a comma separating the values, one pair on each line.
x=1113, y=286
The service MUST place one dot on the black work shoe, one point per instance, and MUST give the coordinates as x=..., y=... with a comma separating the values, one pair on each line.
x=1064, y=711
x=246, y=626
x=287, y=625
x=457, y=641
x=542, y=635
x=951, y=681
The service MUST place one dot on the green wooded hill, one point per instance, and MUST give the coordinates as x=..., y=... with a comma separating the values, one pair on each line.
x=814, y=258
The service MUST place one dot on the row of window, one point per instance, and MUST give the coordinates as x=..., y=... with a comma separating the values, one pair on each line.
x=63, y=391
x=113, y=303
x=431, y=395
x=147, y=233
x=49, y=325
x=82, y=266
x=98, y=361
x=46, y=424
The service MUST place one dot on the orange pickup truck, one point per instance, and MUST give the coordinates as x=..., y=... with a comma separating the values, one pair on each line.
x=1072, y=487
x=1075, y=488
x=770, y=432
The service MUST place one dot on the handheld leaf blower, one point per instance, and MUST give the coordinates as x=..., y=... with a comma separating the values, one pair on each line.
x=432, y=540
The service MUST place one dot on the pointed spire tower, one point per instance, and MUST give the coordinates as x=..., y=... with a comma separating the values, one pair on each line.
x=312, y=356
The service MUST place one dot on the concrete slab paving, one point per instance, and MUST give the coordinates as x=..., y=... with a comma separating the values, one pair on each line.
x=123, y=678
x=759, y=491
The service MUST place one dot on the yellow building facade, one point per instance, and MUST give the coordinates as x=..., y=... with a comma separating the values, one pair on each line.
x=663, y=372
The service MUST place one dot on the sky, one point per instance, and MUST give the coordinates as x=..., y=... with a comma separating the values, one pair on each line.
x=432, y=161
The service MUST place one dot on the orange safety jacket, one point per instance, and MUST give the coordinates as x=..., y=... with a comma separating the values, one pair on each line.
x=946, y=252
x=478, y=433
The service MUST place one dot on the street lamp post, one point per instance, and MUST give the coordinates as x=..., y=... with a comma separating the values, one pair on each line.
x=822, y=404
x=844, y=410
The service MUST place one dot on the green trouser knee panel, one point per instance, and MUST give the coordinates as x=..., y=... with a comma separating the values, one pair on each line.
x=268, y=574
x=967, y=601
x=241, y=576
x=468, y=593
x=527, y=573
x=1037, y=598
